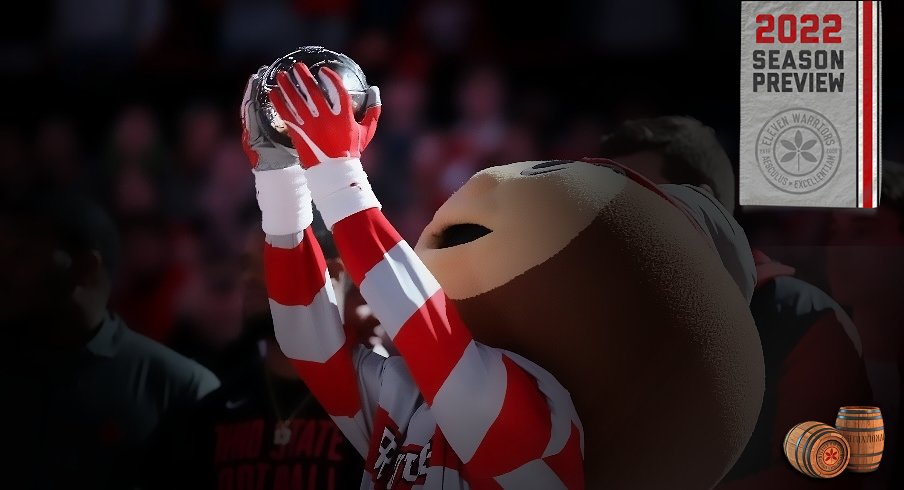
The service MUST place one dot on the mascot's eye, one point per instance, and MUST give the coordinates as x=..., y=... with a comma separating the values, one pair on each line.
x=461, y=234
x=545, y=167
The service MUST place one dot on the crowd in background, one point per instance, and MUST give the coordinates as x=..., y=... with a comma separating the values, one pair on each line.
x=136, y=103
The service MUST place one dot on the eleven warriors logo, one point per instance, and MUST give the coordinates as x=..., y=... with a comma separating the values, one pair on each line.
x=798, y=150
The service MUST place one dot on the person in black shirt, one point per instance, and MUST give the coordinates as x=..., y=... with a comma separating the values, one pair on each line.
x=262, y=429
x=82, y=393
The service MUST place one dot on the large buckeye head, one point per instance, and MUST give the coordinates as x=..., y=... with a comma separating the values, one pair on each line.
x=611, y=288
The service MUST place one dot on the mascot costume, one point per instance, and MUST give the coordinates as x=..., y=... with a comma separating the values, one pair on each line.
x=561, y=324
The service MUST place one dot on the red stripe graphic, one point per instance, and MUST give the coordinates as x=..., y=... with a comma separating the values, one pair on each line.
x=294, y=276
x=520, y=432
x=362, y=239
x=432, y=342
x=333, y=382
x=867, y=104
x=567, y=463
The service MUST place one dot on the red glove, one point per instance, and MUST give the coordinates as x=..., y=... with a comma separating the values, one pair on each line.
x=322, y=126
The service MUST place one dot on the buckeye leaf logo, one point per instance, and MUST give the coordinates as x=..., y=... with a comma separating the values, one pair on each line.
x=798, y=148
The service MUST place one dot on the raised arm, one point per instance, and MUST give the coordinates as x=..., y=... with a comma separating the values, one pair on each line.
x=504, y=417
x=302, y=302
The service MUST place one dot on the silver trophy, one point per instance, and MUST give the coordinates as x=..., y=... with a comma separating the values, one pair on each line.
x=314, y=57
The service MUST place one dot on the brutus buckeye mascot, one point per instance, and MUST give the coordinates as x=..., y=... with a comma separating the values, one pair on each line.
x=561, y=324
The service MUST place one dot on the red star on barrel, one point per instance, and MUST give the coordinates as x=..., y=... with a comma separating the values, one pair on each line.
x=830, y=456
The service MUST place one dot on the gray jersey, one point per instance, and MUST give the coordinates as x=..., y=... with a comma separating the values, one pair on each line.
x=85, y=421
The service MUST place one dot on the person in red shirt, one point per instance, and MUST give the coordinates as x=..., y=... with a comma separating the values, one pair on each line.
x=864, y=263
x=800, y=326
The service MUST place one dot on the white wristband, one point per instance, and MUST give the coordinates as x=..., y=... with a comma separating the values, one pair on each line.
x=340, y=188
x=284, y=200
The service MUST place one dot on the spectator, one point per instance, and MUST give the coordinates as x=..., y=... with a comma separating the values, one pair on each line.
x=105, y=32
x=482, y=120
x=520, y=144
x=800, y=325
x=57, y=154
x=262, y=428
x=261, y=29
x=402, y=127
x=864, y=264
x=226, y=201
x=209, y=315
x=16, y=174
x=580, y=139
x=151, y=279
x=200, y=139
x=89, y=392
x=132, y=167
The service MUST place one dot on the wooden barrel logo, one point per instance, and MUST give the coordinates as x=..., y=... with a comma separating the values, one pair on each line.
x=865, y=432
x=817, y=450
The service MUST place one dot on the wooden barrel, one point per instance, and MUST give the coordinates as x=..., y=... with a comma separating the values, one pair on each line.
x=864, y=431
x=816, y=449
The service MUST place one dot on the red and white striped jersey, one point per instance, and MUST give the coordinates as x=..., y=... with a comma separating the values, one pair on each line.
x=449, y=412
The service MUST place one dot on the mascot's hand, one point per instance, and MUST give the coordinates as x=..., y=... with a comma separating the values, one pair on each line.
x=282, y=191
x=262, y=153
x=323, y=126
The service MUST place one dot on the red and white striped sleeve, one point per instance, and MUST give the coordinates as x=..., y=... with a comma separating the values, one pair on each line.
x=341, y=374
x=499, y=417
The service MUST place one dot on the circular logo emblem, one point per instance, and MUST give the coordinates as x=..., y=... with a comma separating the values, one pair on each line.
x=798, y=150
x=830, y=456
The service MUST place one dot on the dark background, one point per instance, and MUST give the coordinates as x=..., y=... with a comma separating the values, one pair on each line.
x=136, y=102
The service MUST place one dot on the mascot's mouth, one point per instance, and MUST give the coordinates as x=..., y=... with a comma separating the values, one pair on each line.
x=460, y=234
